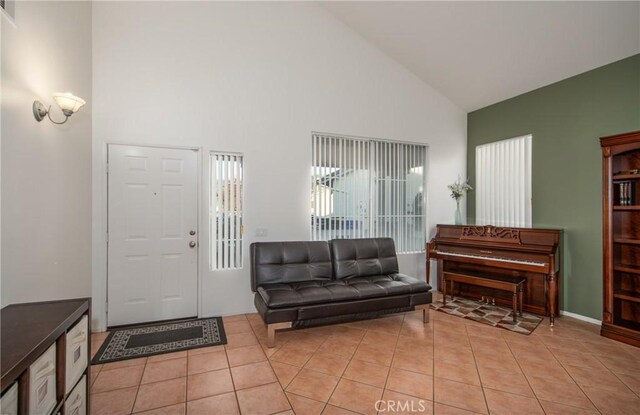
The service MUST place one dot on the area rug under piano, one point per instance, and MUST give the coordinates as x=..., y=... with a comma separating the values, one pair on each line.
x=491, y=315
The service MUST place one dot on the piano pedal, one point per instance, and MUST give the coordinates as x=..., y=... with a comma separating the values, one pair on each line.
x=488, y=300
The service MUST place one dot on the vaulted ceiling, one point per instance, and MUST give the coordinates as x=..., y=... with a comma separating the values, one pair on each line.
x=480, y=53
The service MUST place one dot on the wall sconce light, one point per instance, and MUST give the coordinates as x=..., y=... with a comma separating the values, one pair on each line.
x=68, y=103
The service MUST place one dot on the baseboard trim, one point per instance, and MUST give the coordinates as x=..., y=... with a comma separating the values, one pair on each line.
x=580, y=317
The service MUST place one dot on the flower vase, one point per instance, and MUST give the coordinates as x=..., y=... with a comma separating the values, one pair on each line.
x=458, y=213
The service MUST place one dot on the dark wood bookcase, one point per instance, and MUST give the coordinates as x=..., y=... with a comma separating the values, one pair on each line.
x=621, y=226
x=29, y=331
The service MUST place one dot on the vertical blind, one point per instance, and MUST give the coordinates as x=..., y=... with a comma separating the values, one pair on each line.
x=503, y=183
x=368, y=188
x=225, y=214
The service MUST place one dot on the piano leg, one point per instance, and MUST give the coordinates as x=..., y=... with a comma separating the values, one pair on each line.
x=515, y=306
x=551, y=297
x=520, y=298
x=444, y=291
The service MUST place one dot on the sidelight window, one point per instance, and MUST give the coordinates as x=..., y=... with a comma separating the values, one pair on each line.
x=225, y=215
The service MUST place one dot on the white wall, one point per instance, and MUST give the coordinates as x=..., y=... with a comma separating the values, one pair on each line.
x=255, y=78
x=3, y=21
x=46, y=169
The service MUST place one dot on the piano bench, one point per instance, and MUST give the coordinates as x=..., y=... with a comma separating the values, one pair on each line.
x=514, y=285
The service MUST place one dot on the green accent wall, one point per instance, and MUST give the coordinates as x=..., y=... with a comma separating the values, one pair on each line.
x=566, y=119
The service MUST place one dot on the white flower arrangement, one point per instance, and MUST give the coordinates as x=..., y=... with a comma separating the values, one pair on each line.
x=459, y=188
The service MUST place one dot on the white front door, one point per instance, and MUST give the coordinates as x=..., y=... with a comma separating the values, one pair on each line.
x=153, y=223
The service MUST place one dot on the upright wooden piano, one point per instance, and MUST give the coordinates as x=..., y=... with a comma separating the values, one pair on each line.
x=531, y=253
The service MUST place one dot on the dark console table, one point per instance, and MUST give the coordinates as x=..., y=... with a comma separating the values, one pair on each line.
x=44, y=349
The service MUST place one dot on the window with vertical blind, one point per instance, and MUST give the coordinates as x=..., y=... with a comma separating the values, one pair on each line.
x=503, y=183
x=225, y=210
x=363, y=188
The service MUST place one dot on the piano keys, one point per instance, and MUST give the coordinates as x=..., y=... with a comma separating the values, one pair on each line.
x=532, y=253
x=508, y=260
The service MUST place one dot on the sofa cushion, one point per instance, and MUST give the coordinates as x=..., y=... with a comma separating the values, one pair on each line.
x=363, y=257
x=325, y=291
x=283, y=262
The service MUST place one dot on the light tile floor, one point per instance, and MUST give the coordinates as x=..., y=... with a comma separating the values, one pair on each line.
x=449, y=366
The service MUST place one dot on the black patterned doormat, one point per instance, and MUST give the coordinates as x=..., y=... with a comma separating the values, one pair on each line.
x=149, y=340
x=491, y=315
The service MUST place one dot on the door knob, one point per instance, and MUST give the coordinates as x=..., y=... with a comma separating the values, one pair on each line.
x=192, y=233
x=192, y=244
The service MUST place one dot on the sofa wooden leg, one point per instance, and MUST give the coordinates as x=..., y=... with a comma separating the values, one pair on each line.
x=425, y=312
x=271, y=332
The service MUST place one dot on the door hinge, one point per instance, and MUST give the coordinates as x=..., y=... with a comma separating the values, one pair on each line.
x=107, y=168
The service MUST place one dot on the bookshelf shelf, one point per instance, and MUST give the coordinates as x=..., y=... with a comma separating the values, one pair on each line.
x=626, y=177
x=627, y=241
x=627, y=296
x=627, y=208
x=630, y=269
x=621, y=202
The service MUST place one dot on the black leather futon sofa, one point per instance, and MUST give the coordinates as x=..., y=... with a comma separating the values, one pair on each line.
x=299, y=284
